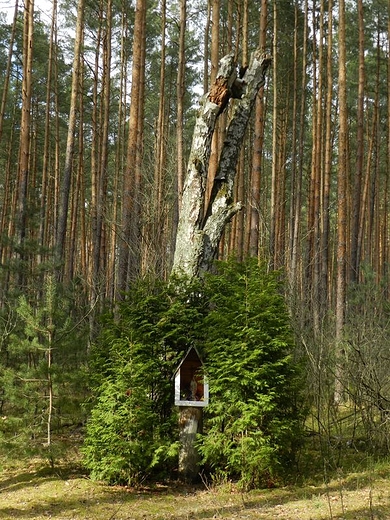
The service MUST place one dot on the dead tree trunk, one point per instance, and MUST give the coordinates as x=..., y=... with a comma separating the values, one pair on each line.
x=200, y=228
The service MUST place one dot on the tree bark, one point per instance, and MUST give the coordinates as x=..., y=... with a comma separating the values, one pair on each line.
x=180, y=90
x=358, y=181
x=25, y=131
x=341, y=208
x=296, y=212
x=70, y=143
x=198, y=236
x=45, y=206
x=257, y=157
x=328, y=154
x=129, y=245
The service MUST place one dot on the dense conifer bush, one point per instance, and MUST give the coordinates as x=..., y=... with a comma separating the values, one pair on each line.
x=254, y=418
x=238, y=322
x=132, y=433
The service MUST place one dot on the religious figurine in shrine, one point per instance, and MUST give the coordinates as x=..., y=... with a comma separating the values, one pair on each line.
x=193, y=389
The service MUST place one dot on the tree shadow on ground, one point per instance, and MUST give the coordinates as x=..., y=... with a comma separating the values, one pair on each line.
x=129, y=505
x=71, y=505
x=185, y=501
x=32, y=477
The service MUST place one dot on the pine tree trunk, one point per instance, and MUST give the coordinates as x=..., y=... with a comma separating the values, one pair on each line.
x=7, y=75
x=357, y=202
x=342, y=209
x=254, y=210
x=200, y=231
x=7, y=215
x=129, y=246
x=180, y=90
x=111, y=278
x=25, y=132
x=274, y=168
x=45, y=207
x=295, y=275
x=328, y=152
x=70, y=143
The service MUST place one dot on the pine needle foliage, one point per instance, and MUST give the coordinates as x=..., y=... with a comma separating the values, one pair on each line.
x=42, y=372
x=254, y=418
x=132, y=432
x=238, y=322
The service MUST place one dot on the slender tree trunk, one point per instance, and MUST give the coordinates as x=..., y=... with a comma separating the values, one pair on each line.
x=341, y=207
x=325, y=235
x=157, y=230
x=46, y=184
x=80, y=195
x=160, y=137
x=139, y=219
x=49, y=355
x=68, y=166
x=242, y=169
x=112, y=272
x=100, y=256
x=317, y=179
x=215, y=147
x=387, y=202
x=297, y=198
x=357, y=194
x=8, y=69
x=180, y=93
x=376, y=250
x=76, y=206
x=206, y=49
x=7, y=214
x=129, y=243
x=274, y=180
x=95, y=151
x=180, y=90
x=258, y=140
x=364, y=237
x=25, y=132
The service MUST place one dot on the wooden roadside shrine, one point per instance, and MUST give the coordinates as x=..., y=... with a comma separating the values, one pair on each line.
x=191, y=396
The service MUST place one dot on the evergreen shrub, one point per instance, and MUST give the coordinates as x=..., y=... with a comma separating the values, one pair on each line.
x=238, y=322
x=253, y=423
x=132, y=432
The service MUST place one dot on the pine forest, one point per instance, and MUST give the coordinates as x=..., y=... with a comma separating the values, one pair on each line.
x=100, y=107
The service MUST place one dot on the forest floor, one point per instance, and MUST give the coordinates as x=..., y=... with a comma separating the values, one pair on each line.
x=34, y=491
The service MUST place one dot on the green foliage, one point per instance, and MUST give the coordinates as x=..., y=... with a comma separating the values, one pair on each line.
x=238, y=321
x=253, y=421
x=132, y=432
x=42, y=372
x=125, y=436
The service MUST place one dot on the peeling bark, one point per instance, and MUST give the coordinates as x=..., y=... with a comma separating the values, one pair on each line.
x=200, y=231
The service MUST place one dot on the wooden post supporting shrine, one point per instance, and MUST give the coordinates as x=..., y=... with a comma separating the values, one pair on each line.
x=191, y=395
x=190, y=424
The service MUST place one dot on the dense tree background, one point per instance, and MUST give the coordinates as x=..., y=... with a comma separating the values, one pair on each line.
x=98, y=102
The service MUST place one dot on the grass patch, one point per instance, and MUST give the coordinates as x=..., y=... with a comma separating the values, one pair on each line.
x=31, y=489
